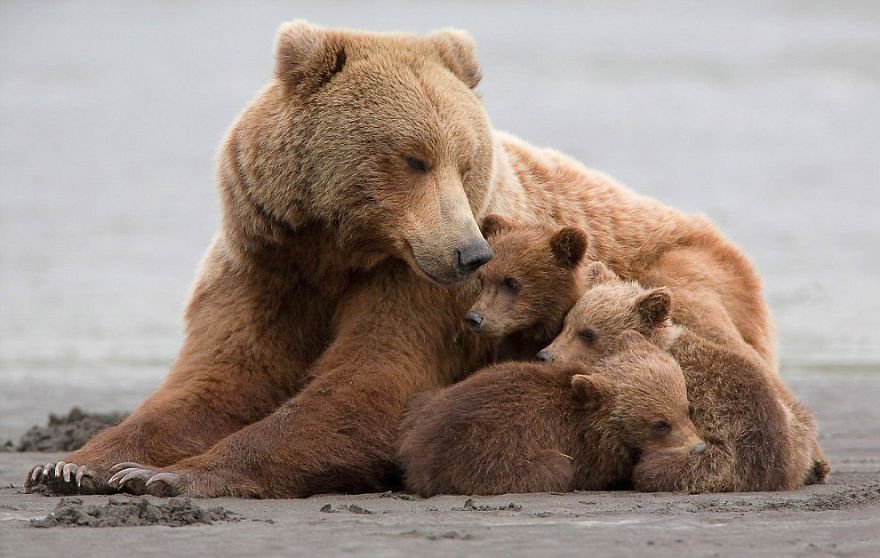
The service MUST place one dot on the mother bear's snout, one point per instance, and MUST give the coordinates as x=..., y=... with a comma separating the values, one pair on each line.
x=468, y=257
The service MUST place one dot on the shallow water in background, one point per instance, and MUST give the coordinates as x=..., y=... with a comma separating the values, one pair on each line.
x=762, y=115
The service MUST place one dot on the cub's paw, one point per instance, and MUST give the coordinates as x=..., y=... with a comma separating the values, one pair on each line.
x=137, y=479
x=63, y=478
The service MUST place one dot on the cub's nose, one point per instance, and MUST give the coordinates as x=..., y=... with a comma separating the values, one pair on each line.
x=471, y=255
x=474, y=320
x=699, y=448
x=544, y=356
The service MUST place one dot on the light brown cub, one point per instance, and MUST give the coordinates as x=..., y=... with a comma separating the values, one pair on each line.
x=756, y=441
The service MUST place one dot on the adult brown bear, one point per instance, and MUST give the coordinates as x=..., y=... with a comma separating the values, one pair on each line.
x=336, y=287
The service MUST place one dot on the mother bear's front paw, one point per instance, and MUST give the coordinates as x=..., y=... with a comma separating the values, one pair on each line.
x=135, y=478
x=61, y=477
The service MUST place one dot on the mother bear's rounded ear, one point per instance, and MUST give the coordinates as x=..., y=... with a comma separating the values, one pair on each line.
x=307, y=56
x=458, y=52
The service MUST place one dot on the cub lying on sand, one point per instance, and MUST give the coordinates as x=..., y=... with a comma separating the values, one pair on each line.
x=755, y=440
x=529, y=285
x=530, y=427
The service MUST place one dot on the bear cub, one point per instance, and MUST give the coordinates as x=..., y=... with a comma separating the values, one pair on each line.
x=755, y=440
x=532, y=427
x=534, y=278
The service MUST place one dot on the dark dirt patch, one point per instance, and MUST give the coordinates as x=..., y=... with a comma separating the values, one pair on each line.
x=851, y=497
x=397, y=495
x=439, y=536
x=351, y=508
x=66, y=432
x=471, y=505
x=450, y=536
x=124, y=511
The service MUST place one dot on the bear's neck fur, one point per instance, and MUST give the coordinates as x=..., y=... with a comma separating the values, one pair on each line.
x=307, y=249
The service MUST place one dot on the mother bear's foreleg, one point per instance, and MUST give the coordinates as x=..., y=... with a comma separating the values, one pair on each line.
x=339, y=433
x=247, y=347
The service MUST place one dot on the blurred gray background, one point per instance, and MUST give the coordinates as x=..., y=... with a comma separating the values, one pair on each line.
x=763, y=115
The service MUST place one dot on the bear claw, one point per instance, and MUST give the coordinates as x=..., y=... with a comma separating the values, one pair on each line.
x=59, y=477
x=168, y=478
x=125, y=465
x=82, y=472
x=129, y=473
x=140, y=480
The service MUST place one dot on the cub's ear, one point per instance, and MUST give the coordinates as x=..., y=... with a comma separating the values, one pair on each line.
x=494, y=224
x=307, y=56
x=598, y=273
x=457, y=50
x=655, y=306
x=591, y=390
x=568, y=246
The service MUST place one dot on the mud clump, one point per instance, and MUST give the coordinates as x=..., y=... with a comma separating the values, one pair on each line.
x=851, y=497
x=471, y=505
x=66, y=432
x=351, y=508
x=121, y=511
x=396, y=495
x=847, y=499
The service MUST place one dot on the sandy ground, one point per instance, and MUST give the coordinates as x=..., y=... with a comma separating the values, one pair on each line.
x=763, y=115
x=841, y=518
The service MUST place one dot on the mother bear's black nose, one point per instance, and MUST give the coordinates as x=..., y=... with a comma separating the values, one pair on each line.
x=471, y=255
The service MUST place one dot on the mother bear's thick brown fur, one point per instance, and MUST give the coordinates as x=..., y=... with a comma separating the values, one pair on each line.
x=351, y=189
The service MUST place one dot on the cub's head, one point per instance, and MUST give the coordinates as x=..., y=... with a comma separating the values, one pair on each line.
x=641, y=392
x=607, y=307
x=531, y=282
x=378, y=137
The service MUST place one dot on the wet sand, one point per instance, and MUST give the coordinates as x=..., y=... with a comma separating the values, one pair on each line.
x=840, y=518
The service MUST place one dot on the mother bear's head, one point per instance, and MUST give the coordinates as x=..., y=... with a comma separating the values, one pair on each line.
x=380, y=138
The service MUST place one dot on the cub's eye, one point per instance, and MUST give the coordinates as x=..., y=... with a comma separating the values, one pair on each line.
x=416, y=164
x=511, y=284
x=691, y=410
x=661, y=427
x=588, y=335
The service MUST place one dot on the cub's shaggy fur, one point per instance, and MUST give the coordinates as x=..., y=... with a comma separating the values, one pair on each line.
x=757, y=440
x=528, y=427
